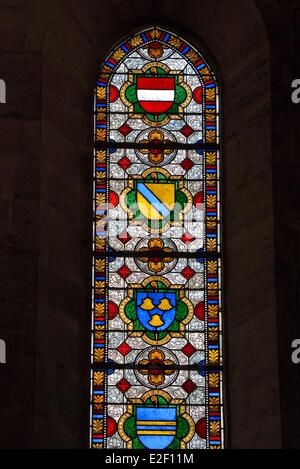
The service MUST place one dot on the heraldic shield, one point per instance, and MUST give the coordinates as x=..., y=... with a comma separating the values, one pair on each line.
x=156, y=201
x=156, y=311
x=156, y=427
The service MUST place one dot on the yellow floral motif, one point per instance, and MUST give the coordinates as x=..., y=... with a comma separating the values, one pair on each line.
x=205, y=74
x=174, y=41
x=99, y=284
x=155, y=34
x=212, y=267
x=98, y=426
x=211, y=158
x=211, y=180
x=214, y=401
x=211, y=136
x=99, y=335
x=210, y=116
x=99, y=288
x=136, y=41
x=101, y=92
x=214, y=408
x=101, y=116
x=99, y=309
x=100, y=217
x=210, y=94
x=211, y=201
x=100, y=265
x=213, y=336
x=98, y=378
x=213, y=311
x=213, y=330
x=214, y=428
x=118, y=55
x=211, y=244
x=213, y=380
x=101, y=134
x=98, y=407
x=100, y=199
x=211, y=225
x=192, y=55
x=213, y=356
x=99, y=355
x=98, y=399
x=106, y=69
x=100, y=243
x=101, y=175
x=103, y=76
x=101, y=158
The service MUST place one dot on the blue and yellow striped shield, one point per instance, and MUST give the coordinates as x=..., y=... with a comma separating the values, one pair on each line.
x=156, y=427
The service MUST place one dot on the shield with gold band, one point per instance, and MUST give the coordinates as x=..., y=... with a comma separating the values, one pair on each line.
x=156, y=427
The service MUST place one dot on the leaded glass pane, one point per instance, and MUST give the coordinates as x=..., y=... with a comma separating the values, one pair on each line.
x=156, y=375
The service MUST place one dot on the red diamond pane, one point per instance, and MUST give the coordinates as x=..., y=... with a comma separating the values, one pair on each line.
x=189, y=350
x=123, y=385
x=125, y=129
x=187, y=164
x=187, y=238
x=187, y=131
x=188, y=273
x=124, y=349
x=124, y=163
x=124, y=237
x=124, y=271
x=189, y=386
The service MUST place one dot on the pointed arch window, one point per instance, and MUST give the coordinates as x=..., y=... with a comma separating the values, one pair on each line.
x=156, y=368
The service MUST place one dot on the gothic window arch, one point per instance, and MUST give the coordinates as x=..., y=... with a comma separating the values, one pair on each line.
x=156, y=373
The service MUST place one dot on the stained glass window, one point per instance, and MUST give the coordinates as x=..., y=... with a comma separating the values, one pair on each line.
x=156, y=373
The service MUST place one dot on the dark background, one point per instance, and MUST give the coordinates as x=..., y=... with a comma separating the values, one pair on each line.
x=49, y=54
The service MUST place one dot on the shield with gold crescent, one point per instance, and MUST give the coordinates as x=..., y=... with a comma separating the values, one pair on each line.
x=156, y=201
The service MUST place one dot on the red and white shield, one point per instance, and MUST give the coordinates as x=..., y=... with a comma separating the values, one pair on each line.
x=156, y=95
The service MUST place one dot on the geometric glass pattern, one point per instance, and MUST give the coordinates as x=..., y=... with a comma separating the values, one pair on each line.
x=156, y=354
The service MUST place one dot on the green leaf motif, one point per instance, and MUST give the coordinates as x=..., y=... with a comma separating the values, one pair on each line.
x=130, y=427
x=182, y=311
x=181, y=198
x=130, y=310
x=182, y=428
x=180, y=94
x=131, y=94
